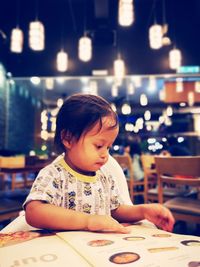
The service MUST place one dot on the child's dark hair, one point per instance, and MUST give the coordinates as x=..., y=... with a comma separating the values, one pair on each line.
x=78, y=114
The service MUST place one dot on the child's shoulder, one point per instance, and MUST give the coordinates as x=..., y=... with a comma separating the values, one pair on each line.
x=53, y=168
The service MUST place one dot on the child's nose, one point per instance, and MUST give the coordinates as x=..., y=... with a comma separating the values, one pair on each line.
x=104, y=154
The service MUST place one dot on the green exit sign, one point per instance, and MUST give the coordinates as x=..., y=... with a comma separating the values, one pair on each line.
x=188, y=69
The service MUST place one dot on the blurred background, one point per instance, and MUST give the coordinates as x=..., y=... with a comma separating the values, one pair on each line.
x=156, y=96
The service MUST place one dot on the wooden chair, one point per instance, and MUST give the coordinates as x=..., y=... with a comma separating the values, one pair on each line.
x=150, y=172
x=150, y=176
x=125, y=162
x=180, y=171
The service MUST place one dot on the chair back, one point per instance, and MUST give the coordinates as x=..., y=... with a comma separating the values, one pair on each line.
x=177, y=171
x=147, y=161
x=126, y=164
x=125, y=161
x=178, y=165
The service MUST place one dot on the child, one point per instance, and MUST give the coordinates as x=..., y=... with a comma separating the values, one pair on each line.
x=72, y=193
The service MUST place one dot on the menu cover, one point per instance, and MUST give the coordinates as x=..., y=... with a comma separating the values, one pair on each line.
x=36, y=249
x=143, y=247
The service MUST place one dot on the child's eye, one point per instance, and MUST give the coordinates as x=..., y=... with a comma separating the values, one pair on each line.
x=99, y=146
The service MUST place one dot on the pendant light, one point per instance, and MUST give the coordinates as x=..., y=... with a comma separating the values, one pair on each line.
x=126, y=12
x=175, y=58
x=62, y=61
x=85, y=49
x=126, y=109
x=85, y=42
x=17, y=38
x=155, y=36
x=36, y=35
x=179, y=85
x=119, y=68
x=143, y=100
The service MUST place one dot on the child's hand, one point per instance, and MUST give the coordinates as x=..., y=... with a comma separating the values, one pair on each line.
x=160, y=216
x=105, y=223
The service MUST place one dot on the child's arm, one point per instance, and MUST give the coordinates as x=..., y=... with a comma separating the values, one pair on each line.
x=44, y=215
x=155, y=213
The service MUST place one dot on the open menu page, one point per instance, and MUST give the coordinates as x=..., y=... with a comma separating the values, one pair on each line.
x=143, y=247
x=37, y=249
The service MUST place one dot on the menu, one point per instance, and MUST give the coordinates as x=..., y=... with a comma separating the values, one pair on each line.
x=142, y=247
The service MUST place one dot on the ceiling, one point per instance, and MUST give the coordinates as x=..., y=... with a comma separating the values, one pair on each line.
x=67, y=18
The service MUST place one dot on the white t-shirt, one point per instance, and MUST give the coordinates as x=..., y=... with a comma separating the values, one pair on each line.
x=113, y=168
x=59, y=185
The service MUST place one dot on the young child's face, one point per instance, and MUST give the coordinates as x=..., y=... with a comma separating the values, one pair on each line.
x=91, y=151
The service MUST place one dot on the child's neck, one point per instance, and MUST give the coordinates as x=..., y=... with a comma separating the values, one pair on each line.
x=76, y=169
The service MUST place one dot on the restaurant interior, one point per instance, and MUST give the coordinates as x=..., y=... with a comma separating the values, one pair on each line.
x=145, y=62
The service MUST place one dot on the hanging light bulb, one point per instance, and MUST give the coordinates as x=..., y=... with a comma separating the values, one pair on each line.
x=197, y=86
x=191, y=99
x=162, y=95
x=143, y=100
x=17, y=39
x=152, y=84
x=155, y=36
x=147, y=115
x=49, y=83
x=36, y=36
x=131, y=89
x=175, y=59
x=62, y=61
x=126, y=12
x=119, y=69
x=114, y=90
x=126, y=109
x=179, y=85
x=169, y=111
x=85, y=48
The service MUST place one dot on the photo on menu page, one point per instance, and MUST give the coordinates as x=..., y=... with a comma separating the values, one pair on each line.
x=134, y=238
x=160, y=249
x=124, y=257
x=100, y=242
x=194, y=264
x=162, y=235
x=191, y=243
x=12, y=238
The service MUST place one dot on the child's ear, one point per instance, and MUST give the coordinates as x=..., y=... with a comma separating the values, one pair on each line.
x=66, y=138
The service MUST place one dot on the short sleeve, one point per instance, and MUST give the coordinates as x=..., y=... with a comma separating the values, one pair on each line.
x=47, y=187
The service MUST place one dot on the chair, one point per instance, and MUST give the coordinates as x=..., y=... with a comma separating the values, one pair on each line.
x=150, y=172
x=150, y=175
x=136, y=188
x=180, y=171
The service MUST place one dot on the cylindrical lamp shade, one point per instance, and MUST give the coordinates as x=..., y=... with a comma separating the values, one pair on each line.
x=62, y=61
x=85, y=49
x=119, y=69
x=155, y=36
x=17, y=39
x=143, y=100
x=191, y=99
x=126, y=13
x=36, y=36
x=126, y=109
x=175, y=59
